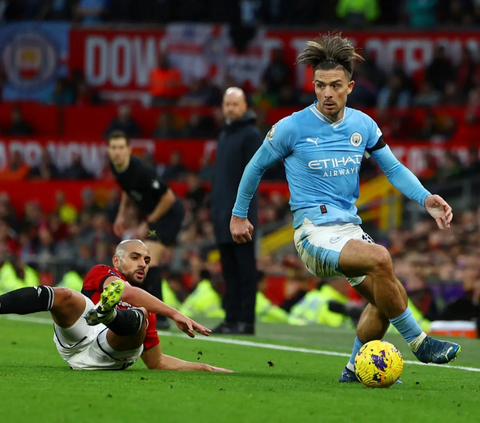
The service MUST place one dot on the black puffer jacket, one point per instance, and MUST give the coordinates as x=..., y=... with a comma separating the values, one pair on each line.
x=237, y=144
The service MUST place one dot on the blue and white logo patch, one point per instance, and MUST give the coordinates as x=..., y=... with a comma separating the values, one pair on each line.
x=356, y=139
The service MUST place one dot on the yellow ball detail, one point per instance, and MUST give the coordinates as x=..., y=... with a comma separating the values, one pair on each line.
x=378, y=364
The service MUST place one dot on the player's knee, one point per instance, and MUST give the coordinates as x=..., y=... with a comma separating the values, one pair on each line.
x=63, y=296
x=144, y=311
x=382, y=260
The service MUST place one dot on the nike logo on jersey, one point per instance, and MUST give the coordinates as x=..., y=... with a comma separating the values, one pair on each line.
x=155, y=184
x=335, y=239
x=315, y=141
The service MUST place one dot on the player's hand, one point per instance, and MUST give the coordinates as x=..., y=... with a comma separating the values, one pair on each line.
x=142, y=230
x=440, y=210
x=208, y=368
x=189, y=326
x=241, y=230
x=119, y=226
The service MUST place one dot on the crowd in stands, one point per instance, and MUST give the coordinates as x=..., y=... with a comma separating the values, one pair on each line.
x=402, y=13
x=395, y=99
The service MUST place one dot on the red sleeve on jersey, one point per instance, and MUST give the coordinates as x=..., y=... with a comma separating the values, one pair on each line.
x=151, y=337
x=93, y=282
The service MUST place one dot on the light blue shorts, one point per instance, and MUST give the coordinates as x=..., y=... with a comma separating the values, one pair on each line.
x=319, y=247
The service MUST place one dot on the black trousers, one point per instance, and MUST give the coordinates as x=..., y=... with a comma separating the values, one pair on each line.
x=239, y=270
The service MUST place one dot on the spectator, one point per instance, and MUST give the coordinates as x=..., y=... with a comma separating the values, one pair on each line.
x=472, y=165
x=19, y=127
x=112, y=206
x=32, y=9
x=201, y=93
x=421, y=14
x=176, y=169
x=17, y=170
x=91, y=11
x=124, y=122
x=166, y=126
x=393, y=94
x=427, y=97
x=76, y=170
x=59, y=10
x=6, y=211
x=89, y=204
x=66, y=211
x=166, y=85
x=196, y=194
x=67, y=249
x=452, y=95
x=465, y=73
x=7, y=238
x=440, y=69
x=85, y=96
x=46, y=169
x=199, y=126
x=277, y=73
x=62, y=94
x=207, y=168
x=358, y=13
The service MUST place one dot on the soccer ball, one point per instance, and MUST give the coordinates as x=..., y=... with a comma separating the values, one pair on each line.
x=378, y=364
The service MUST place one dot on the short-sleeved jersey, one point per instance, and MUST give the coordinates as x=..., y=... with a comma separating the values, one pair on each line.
x=93, y=287
x=322, y=162
x=142, y=184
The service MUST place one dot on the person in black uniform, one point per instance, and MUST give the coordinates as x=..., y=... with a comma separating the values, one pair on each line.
x=237, y=144
x=161, y=211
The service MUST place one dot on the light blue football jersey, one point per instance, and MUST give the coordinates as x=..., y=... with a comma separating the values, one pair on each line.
x=322, y=162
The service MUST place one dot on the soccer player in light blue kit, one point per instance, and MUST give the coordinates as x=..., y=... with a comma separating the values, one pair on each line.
x=322, y=147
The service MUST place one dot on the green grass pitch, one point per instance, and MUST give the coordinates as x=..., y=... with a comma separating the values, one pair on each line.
x=37, y=386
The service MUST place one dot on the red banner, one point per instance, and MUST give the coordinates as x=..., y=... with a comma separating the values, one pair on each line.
x=93, y=153
x=116, y=59
x=121, y=60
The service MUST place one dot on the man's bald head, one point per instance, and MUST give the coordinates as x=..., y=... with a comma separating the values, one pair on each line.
x=127, y=246
x=132, y=260
x=234, y=104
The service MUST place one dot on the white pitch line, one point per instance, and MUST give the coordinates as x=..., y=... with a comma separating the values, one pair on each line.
x=253, y=344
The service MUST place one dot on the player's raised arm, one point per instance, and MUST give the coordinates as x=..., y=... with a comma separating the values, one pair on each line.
x=277, y=145
x=119, y=225
x=140, y=298
x=409, y=185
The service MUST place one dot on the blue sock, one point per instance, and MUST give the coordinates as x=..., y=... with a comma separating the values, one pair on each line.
x=356, y=346
x=407, y=325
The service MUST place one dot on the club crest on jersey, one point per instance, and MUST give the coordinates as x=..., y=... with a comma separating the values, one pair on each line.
x=271, y=132
x=112, y=272
x=356, y=139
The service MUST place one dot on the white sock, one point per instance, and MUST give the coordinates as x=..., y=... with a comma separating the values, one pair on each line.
x=350, y=366
x=415, y=344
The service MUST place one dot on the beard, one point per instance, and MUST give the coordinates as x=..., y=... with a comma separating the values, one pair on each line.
x=130, y=277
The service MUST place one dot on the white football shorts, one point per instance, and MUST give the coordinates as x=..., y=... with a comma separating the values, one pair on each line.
x=319, y=247
x=86, y=347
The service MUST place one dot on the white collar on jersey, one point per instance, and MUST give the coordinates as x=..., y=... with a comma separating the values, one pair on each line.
x=325, y=119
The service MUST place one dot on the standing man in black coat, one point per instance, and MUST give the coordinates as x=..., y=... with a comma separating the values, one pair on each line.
x=237, y=144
